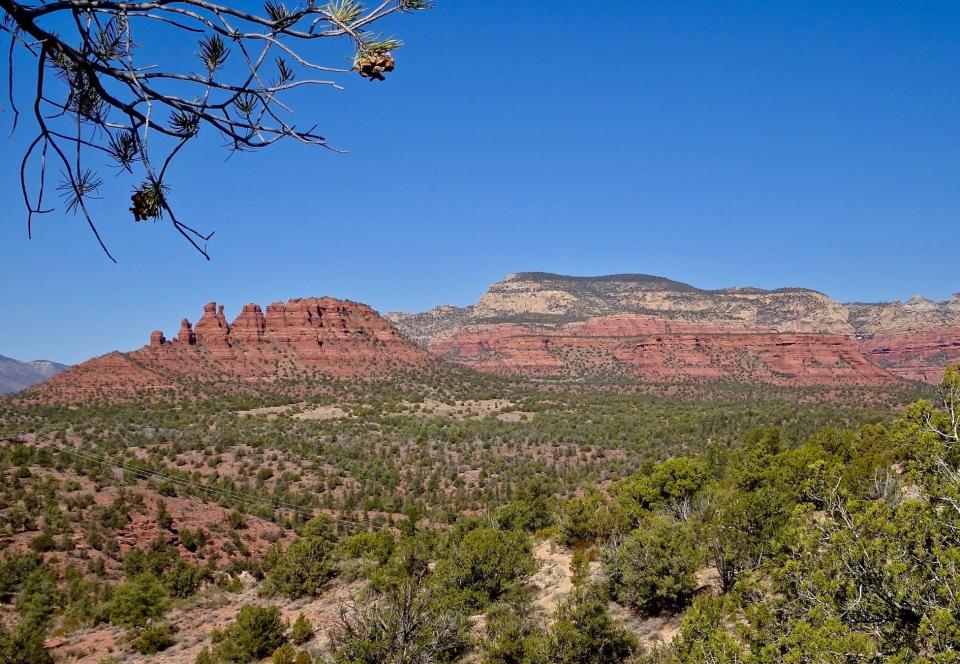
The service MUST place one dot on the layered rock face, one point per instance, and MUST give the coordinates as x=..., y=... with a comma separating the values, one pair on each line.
x=655, y=350
x=293, y=341
x=650, y=328
x=915, y=339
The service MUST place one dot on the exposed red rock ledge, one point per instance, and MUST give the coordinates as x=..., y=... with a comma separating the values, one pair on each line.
x=914, y=354
x=293, y=340
x=539, y=323
x=650, y=349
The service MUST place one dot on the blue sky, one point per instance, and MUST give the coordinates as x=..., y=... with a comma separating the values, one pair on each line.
x=718, y=143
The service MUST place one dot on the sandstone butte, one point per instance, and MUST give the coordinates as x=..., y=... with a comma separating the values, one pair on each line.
x=292, y=341
x=648, y=328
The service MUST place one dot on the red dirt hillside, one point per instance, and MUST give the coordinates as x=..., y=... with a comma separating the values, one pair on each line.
x=293, y=341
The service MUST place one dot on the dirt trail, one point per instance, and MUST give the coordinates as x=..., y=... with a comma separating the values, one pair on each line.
x=554, y=581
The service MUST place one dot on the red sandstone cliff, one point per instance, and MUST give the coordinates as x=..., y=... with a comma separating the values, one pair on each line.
x=293, y=341
x=660, y=351
x=651, y=328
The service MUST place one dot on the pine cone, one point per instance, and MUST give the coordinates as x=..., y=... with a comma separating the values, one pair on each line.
x=373, y=65
x=140, y=206
x=147, y=204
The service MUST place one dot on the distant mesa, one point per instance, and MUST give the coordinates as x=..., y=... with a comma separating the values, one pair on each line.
x=644, y=327
x=293, y=343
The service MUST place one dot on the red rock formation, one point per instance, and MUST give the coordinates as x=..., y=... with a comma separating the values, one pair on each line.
x=584, y=317
x=649, y=349
x=916, y=354
x=249, y=325
x=294, y=341
x=185, y=335
x=212, y=328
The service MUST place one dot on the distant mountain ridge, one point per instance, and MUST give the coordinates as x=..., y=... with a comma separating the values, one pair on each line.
x=912, y=339
x=16, y=375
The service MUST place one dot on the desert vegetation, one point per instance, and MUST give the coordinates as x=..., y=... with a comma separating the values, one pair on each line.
x=484, y=521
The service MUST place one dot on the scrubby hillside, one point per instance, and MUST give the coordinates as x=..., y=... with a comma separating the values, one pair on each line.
x=513, y=526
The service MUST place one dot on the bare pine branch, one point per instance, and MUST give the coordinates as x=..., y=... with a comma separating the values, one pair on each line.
x=103, y=98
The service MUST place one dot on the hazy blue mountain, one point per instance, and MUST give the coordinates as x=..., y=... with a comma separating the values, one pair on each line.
x=16, y=375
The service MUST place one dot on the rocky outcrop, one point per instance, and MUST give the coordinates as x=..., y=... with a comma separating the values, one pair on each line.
x=538, y=298
x=917, y=354
x=917, y=313
x=536, y=323
x=293, y=344
x=652, y=350
x=915, y=339
x=186, y=336
x=212, y=328
x=249, y=326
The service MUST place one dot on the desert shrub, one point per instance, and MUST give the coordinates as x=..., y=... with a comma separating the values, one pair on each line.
x=153, y=639
x=237, y=520
x=38, y=598
x=703, y=637
x=654, y=567
x=584, y=633
x=193, y=540
x=14, y=568
x=405, y=626
x=485, y=564
x=163, y=517
x=411, y=559
x=285, y=654
x=302, y=569
x=138, y=600
x=589, y=518
x=23, y=645
x=256, y=632
x=671, y=486
x=43, y=542
x=744, y=526
x=183, y=579
x=529, y=515
x=580, y=564
x=158, y=557
x=302, y=630
x=376, y=546
x=510, y=637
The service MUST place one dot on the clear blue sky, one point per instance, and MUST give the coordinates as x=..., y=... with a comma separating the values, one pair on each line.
x=718, y=143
